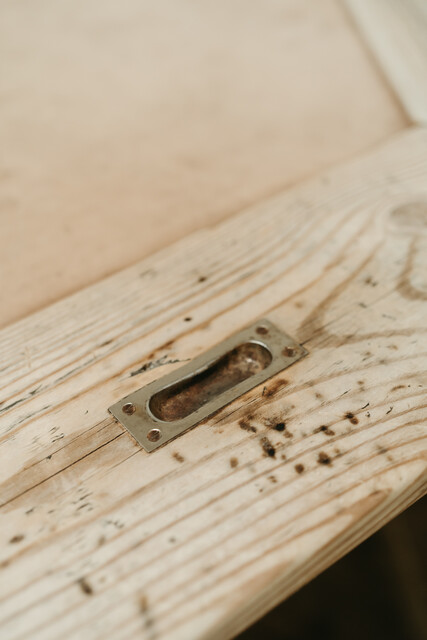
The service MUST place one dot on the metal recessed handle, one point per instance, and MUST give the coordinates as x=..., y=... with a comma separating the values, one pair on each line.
x=167, y=407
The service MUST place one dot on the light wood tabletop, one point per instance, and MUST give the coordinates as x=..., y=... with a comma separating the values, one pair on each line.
x=126, y=126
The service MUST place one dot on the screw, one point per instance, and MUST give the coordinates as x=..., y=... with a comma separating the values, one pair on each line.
x=262, y=330
x=288, y=352
x=154, y=434
x=129, y=408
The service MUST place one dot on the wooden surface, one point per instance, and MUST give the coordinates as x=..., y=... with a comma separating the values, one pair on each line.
x=202, y=537
x=125, y=126
x=396, y=30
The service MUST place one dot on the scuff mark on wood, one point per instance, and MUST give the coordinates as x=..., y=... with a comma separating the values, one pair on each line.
x=153, y=364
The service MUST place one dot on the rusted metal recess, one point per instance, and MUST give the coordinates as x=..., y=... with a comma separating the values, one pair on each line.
x=169, y=406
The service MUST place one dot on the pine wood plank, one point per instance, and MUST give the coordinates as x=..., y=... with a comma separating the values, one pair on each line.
x=397, y=33
x=126, y=126
x=202, y=537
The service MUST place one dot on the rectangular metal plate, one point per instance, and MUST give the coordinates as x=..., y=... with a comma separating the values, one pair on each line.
x=169, y=406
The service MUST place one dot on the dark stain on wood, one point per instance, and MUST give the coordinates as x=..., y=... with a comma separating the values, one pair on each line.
x=233, y=462
x=18, y=538
x=267, y=447
x=246, y=426
x=299, y=468
x=279, y=426
x=85, y=586
x=350, y=416
x=325, y=429
x=323, y=458
x=145, y=611
x=369, y=280
x=178, y=456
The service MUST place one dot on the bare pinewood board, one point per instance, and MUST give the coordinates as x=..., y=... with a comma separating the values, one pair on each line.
x=202, y=537
x=126, y=126
x=397, y=33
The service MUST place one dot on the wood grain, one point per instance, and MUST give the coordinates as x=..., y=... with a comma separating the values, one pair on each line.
x=124, y=126
x=202, y=537
x=397, y=33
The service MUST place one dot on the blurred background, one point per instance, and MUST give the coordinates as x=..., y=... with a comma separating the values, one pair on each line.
x=376, y=592
x=126, y=125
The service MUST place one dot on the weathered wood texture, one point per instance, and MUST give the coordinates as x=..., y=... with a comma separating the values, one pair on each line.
x=124, y=126
x=202, y=537
x=396, y=30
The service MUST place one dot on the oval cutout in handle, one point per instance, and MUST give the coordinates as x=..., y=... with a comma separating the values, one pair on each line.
x=186, y=396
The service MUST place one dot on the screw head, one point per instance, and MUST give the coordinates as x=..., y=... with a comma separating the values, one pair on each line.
x=154, y=435
x=288, y=352
x=129, y=408
x=262, y=331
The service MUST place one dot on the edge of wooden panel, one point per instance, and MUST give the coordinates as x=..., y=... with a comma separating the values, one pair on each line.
x=397, y=34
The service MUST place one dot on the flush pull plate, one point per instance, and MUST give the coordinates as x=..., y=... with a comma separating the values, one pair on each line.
x=169, y=406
